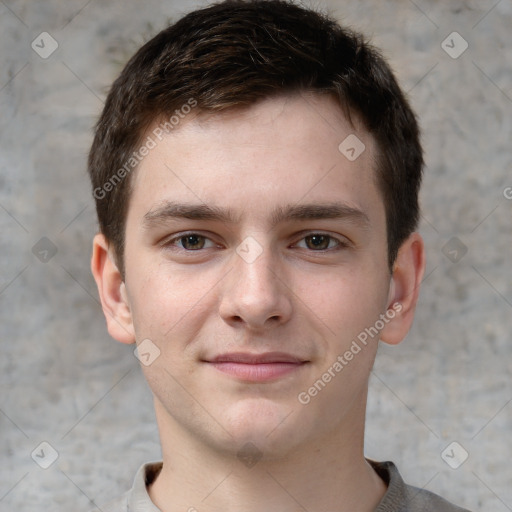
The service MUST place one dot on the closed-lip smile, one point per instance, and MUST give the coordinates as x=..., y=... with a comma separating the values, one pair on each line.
x=256, y=367
x=248, y=358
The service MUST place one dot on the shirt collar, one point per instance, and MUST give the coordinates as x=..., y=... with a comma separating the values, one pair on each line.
x=139, y=500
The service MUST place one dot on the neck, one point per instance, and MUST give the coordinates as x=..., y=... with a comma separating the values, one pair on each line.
x=328, y=474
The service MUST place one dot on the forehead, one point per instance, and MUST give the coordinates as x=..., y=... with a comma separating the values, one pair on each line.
x=283, y=150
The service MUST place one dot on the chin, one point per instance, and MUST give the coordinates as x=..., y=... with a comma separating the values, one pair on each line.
x=266, y=424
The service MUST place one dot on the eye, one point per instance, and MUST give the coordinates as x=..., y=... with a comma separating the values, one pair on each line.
x=190, y=242
x=319, y=242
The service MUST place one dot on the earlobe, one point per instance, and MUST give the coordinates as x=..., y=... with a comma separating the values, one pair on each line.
x=112, y=291
x=404, y=289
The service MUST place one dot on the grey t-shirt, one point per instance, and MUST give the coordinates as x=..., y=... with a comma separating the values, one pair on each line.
x=399, y=497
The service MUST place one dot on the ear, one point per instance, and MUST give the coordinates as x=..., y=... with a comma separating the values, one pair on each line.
x=112, y=292
x=404, y=289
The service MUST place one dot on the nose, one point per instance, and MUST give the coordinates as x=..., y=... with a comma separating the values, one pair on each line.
x=254, y=294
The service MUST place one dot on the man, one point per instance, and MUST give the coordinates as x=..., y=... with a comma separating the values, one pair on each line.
x=256, y=172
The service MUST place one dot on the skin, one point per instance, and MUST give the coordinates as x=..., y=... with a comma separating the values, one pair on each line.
x=194, y=304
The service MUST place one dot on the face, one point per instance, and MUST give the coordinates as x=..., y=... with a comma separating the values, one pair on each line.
x=255, y=255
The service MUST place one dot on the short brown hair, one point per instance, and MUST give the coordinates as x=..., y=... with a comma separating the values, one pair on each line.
x=233, y=54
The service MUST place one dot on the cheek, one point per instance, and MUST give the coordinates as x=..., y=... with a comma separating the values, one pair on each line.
x=345, y=302
x=166, y=302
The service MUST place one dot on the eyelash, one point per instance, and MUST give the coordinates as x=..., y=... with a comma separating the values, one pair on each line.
x=169, y=243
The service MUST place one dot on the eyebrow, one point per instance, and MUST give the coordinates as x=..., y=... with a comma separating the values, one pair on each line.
x=173, y=210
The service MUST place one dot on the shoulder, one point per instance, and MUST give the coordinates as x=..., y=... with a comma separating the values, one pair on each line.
x=401, y=497
x=422, y=500
x=118, y=505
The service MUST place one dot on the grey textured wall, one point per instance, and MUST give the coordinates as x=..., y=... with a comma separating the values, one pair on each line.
x=65, y=382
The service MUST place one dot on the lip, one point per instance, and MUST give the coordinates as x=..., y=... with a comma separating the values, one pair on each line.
x=248, y=358
x=257, y=367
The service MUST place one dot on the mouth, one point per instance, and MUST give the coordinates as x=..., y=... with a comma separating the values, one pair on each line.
x=257, y=367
